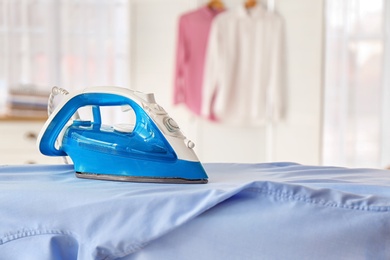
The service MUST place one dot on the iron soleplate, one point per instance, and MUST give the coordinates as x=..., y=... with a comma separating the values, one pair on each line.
x=108, y=177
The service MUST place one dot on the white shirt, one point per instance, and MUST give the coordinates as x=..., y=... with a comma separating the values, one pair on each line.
x=244, y=70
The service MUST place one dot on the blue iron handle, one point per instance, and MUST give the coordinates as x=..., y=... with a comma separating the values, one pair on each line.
x=58, y=122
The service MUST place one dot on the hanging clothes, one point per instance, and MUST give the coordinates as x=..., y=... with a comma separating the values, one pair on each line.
x=244, y=70
x=193, y=33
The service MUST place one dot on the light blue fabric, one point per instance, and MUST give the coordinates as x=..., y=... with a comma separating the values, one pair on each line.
x=246, y=211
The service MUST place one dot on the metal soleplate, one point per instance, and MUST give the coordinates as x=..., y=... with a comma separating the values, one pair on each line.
x=108, y=177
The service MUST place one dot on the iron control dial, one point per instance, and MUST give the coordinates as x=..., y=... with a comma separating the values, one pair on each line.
x=171, y=124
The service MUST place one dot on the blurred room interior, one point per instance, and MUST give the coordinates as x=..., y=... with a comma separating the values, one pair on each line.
x=335, y=59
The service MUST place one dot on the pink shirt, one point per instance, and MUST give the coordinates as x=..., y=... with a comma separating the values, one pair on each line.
x=193, y=33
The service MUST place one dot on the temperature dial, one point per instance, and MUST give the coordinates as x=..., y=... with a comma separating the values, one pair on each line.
x=171, y=124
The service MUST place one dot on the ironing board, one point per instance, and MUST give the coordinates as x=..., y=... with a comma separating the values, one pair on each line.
x=246, y=211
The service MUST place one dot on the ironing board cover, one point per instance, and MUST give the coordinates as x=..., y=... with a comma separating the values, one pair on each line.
x=246, y=211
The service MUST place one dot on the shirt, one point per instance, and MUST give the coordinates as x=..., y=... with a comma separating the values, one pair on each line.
x=193, y=33
x=247, y=211
x=243, y=80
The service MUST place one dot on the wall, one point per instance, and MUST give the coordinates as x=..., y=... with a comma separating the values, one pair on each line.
x=299, y=139
x=153, y=30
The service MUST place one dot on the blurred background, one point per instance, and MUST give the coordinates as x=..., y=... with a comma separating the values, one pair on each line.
x=336, y=57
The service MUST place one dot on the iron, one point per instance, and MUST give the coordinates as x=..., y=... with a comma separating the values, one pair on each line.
x=153, y=149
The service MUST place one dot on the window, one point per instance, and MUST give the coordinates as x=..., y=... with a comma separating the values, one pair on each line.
x=67, y=43
x=354, y=84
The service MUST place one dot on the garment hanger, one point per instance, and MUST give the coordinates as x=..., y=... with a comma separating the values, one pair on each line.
x=250, y=3
x=216, y=5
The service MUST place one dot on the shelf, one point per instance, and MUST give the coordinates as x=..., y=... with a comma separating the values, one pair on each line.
x=21, y=118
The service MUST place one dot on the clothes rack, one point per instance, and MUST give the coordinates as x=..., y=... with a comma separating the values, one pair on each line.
x=216, y=5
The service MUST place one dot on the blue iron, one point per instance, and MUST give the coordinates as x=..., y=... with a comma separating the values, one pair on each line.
x=152, y=150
